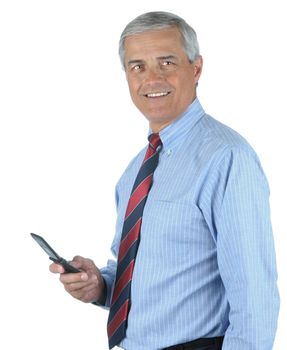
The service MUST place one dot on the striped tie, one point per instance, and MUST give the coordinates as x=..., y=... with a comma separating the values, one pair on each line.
x=120, y=305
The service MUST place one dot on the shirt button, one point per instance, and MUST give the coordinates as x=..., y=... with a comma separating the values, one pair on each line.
x=168, y=152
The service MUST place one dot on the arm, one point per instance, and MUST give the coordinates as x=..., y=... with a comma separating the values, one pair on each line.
x=246, y=256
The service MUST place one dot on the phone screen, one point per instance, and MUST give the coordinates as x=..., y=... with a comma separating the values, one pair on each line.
x=53, y=255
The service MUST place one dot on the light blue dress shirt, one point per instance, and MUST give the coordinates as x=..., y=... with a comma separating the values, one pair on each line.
x=206, y=262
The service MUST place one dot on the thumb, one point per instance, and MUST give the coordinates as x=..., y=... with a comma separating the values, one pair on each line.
x=82, y=263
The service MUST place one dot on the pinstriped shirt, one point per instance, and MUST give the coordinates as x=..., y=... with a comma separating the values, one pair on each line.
x=206, y=262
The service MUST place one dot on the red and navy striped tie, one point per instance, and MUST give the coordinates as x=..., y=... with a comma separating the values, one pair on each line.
x=120, y=304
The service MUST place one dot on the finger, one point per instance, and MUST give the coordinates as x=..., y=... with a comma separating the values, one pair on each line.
x=56, y=268
x=77, y=261
x=78, y=286
x=68, y=278
x=82, y=263
x=85, y=294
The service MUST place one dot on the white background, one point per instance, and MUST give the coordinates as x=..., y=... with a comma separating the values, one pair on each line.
x=68, y=129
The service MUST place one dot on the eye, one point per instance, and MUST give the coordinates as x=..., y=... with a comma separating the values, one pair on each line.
x=137, y=68
x=167, y=63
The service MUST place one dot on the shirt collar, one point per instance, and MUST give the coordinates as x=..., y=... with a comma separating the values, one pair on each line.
x=174, y=132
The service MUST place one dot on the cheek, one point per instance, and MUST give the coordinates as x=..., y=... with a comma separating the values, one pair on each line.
x=180, y=82
x=133, y=87
x=186, y=85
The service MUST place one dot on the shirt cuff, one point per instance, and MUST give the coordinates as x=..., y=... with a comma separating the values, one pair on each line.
x=108, y=285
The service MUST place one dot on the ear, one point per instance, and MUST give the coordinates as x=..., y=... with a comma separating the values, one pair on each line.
x=198, y=63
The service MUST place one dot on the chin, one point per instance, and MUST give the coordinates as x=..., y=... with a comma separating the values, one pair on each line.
x=156, y=114
x=158, y=121
x=156, y=117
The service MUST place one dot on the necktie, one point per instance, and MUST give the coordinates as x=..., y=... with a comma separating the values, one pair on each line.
x=120, y=304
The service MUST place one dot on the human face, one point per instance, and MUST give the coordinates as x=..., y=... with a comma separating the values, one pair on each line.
x=161, y=79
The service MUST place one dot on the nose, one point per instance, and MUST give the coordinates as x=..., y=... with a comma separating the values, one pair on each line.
x=153, y=74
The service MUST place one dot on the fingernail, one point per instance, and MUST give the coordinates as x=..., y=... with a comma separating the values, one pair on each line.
x=84, y=277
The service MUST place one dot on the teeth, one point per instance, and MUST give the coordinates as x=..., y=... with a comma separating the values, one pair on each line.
x=157, y=94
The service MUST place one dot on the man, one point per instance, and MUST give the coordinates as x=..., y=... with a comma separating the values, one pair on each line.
x=202, y=273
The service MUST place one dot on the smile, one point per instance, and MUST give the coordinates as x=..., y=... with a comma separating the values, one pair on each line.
x=157, y=94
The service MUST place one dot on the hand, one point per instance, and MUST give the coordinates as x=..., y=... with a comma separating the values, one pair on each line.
x=87, y=285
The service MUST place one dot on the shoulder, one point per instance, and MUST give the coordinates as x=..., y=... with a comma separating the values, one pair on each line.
x=225, y=150
x=132, y=169
x=223, y=142
x=221, y=134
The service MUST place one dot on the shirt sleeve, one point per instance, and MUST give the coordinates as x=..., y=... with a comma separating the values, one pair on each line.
x=240, y=221
x=109, y=272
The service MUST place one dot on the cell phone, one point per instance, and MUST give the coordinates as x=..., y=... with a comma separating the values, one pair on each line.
x=53, y=255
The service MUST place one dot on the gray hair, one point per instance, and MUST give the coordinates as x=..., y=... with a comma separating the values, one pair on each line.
x=161, y=20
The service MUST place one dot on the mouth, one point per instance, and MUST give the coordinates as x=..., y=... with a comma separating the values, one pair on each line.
x=157, y=94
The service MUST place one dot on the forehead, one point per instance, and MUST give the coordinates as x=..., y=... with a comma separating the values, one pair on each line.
x=154, y=42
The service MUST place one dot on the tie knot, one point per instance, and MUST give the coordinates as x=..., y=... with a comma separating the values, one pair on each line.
x=154, y=141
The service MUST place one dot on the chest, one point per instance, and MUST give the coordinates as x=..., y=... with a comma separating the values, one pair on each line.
x=171, y=215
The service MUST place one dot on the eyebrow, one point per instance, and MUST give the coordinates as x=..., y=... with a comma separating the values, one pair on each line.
x=169, y=57
x=138, y=61
x=134, y=62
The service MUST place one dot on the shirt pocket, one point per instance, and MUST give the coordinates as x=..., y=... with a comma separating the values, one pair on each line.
x=179, y=223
